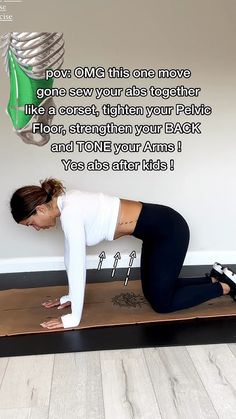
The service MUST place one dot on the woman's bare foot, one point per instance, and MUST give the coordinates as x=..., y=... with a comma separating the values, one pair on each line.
x=226, y=288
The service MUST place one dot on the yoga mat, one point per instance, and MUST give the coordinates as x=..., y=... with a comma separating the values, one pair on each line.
x=105, y=304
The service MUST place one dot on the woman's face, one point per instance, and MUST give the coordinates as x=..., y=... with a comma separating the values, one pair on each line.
x=43, y=219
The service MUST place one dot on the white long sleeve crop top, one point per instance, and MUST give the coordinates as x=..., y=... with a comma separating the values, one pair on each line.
x=86, y=219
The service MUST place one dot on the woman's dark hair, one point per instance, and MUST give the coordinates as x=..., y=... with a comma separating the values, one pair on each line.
x=24, y=200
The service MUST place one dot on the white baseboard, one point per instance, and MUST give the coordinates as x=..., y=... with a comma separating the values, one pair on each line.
x=56, y=263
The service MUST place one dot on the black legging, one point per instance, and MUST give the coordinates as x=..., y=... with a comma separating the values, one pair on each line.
x=165, y=236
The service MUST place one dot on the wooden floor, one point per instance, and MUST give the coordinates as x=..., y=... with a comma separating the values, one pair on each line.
x=168, y=382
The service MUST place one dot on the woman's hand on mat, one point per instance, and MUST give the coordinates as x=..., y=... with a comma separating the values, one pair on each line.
x=53, y=323
x=55, y=303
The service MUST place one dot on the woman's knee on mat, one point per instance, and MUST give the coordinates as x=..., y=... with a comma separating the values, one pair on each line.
x=161, y=306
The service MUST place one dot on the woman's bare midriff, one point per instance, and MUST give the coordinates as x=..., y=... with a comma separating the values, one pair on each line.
x=127, y=219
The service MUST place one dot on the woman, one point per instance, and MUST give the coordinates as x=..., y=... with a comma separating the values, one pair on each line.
x=88, y=218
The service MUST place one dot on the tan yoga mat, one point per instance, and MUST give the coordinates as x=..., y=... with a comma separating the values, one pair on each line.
x=105, y=304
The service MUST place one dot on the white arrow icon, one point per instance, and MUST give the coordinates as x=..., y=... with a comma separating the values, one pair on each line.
x=116, y=257
x=102, y=256
x=132, y=257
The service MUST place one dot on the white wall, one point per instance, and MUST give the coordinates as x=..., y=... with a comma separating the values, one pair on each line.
x=134, y=34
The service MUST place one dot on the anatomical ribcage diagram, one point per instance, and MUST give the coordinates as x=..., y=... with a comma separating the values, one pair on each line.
x=27, y=56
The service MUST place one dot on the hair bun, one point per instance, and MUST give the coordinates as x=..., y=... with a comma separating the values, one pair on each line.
x=52, y=187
